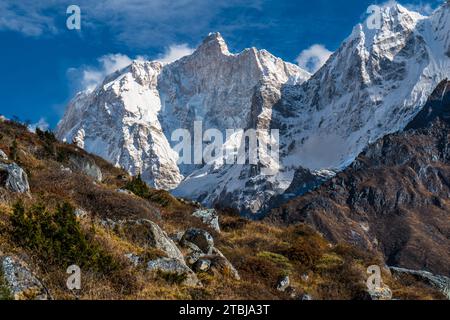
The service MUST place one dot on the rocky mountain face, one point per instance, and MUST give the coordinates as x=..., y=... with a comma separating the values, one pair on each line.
x=394, y=198
x=373, y=85
x=130, y=118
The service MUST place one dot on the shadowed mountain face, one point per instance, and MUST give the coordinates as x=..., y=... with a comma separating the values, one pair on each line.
x=394, y=198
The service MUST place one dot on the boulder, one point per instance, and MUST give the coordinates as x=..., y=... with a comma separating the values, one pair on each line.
x=305, y=277
x=202, y=265
x=283, y=283
x=208, y=217
x=14, y=178
x=174, y=266
x=382, y=293
x=148, y=233
x=86, y=166
x=21, y=282
x=81, y=213
x=177, y=236
x=440, y=283
x=124, y=191
x=222, y=264
x=306, y=297
x=200, y=238
x=134, y=259
x=3, y=155
x=193, y=253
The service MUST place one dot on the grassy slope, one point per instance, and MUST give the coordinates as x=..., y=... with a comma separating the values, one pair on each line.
x=261, y=252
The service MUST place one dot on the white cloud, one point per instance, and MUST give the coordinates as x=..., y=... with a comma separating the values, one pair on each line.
x=313, y=58
x=27, y=17
x=175, y=52
x=42, y=124
x=88, y=77
x=136, y=23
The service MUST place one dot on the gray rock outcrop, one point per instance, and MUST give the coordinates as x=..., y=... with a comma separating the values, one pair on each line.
x=148, y=234
x=200, y=238
x=174, y=266
x=14, y=178
x=86, y=166
x=441, y=283
x=3, y=155
x=209, y=217
x=20, y=281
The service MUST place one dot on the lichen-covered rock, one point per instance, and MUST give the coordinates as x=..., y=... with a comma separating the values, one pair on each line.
x=202, y=265
x=306, y=297
x=148, y=233
x=200, y=238
x=283, y=283
x=86, y=166
x=441, y=283
x=382, y=293
x=221, y=263
x=124, y=191
x=3, y=155
x=81, y=213
x=21, y=282
x=193, y=253
x=14, y=178
x=209, y=217
x=134, y=259
x=176, y=267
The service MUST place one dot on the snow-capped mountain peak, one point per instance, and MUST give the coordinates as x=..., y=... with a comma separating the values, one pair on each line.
x=373, y=85
x=130, y=117
x=213, y=44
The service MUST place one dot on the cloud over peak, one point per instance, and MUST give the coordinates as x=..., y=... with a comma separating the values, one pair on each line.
x=313, y=58
x=175, y=52
x=88, y=77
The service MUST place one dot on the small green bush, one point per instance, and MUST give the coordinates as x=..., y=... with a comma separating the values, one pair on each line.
x=141, y=189
x=172, y=277
x=48, y=139
x=57, y=238
x=14, y=150
x=5, y=293
x=277, y=259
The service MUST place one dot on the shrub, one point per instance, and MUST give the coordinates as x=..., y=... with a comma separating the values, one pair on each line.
x=14, y=150
x=141, y=189
x=260, y=268
x=5, y=293
x=57, y=238
x=138, y=187
x=278, y=259
x=304, y=252
x=48, y=139
x=172, y=277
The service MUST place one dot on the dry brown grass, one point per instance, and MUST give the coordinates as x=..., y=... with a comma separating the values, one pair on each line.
x=261, y=252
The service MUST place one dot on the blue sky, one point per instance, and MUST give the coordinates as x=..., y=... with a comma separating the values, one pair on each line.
x=43, y=63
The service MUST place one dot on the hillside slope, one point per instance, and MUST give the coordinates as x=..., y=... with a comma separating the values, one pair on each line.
x=69, y=207
x=394, y=197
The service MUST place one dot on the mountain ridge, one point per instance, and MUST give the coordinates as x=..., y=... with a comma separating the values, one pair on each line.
x=373, y=85
x=393, y=198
